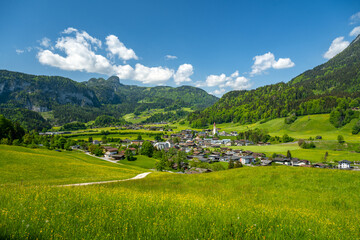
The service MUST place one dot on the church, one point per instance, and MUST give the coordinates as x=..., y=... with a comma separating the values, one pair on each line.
x=215, y=131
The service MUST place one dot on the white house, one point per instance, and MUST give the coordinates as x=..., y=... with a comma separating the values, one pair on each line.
x=247, y=159
x=162, y=145
x=344, y=164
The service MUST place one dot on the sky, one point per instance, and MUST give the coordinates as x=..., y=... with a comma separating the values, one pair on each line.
x=219, y=46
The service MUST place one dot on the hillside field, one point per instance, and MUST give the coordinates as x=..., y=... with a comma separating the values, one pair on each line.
x=247, y=203
x=304, y=127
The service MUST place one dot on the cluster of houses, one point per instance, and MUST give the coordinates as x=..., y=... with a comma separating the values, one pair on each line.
x=196, y=145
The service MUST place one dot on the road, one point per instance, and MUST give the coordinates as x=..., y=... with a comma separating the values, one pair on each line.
x=139, y=176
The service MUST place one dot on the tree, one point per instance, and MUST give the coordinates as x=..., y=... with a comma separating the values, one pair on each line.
x=326, y=156
x=139, y=137
x=161, y=165
x=288, y=154
x=340, y=139
x=231, y=164
x=356, y=128
x=147, y=149
x=158, y=138
x=90, y=139
x=129, y=155
x=238, y=164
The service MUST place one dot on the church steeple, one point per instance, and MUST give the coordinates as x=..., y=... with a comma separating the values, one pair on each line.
x=215, y=131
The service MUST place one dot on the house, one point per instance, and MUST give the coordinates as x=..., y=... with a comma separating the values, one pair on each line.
x=96, y=142
x=133, y=150
x=162, y=145
x=247, y=159
x=214, y=158
x=110, y=151
x=280, y=160
x=266, y=162
x=137, y=142
x=344, y=164
x=118, y=156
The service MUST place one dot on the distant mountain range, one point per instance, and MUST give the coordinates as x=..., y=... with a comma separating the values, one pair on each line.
x=23, y=96
x=334, y=84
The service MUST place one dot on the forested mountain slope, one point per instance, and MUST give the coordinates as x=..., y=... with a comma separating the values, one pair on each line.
x=330, y=87
x=111, y=91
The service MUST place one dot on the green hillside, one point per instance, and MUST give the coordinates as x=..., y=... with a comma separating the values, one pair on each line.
x=19, y=165
x=334, y=84
x=304, y=127
x=247, y=203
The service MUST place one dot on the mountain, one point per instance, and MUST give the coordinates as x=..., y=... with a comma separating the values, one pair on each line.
x=111, y=91
x=332, y=85
x=68, y=100
x=42, y=93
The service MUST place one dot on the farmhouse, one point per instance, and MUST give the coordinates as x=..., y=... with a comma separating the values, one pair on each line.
x=110, y=151
x=247, y=159
x=344, y=164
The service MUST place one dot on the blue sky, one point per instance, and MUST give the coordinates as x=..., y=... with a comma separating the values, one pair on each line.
x=217, y=45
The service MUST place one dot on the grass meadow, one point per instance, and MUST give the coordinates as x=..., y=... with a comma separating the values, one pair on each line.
x=24, y=166
x=313, y=155
x=304, y=127
x=276, y=202
x=247, y=203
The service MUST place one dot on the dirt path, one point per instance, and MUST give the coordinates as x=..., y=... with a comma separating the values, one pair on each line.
x=140, y=176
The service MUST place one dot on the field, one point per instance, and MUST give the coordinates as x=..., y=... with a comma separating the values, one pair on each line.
x=304, y=127
x=24, y=166
x=247, y=203
x=313, y=155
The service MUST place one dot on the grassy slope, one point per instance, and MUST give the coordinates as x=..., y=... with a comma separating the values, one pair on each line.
x=39, y=166
x=247, y=203
x=303, y=127
x=314, y=155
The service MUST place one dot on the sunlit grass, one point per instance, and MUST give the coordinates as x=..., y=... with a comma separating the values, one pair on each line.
x=245, y=203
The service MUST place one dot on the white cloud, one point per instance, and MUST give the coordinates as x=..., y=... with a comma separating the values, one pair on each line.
x=45, y=42
x=69, y=30
x=234, y=81
x=267, y=61
x=355, y=18
x=170, y=57
x=118, y=48
x=80, y=55
x=156, y=75
x=215, y=80
x=283, y=63
x=355, y=32
x=239, y=83
x=19, y=51
x=220, y=91
x=337, y=46
x=183, y=73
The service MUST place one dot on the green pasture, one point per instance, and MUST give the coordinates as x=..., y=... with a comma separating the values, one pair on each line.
x=304, y=127
x=24, y=166
x=246, y=203
x=313, y=155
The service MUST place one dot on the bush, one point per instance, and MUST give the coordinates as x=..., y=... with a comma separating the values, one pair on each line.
x=306, y=145
x=356, y=128
x=290, y=119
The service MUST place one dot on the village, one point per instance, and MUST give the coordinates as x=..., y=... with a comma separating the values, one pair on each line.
x=206, y=147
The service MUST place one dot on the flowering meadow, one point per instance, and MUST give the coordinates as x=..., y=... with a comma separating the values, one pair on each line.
x=276, y=202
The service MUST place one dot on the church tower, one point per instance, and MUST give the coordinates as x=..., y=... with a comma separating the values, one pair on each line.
x=215, y=131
